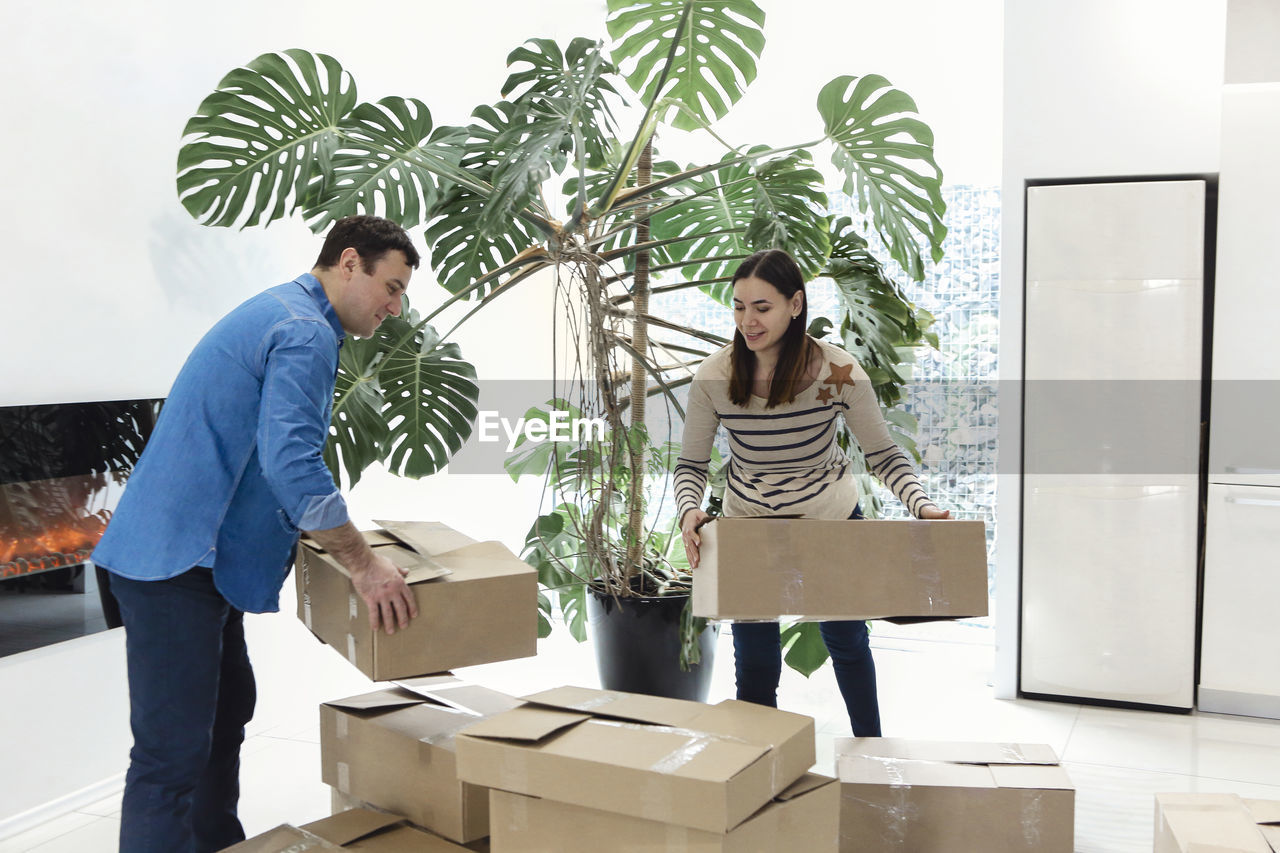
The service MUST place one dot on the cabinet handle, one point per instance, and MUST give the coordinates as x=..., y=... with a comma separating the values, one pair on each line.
x=1253, y=502
x=1232, y=469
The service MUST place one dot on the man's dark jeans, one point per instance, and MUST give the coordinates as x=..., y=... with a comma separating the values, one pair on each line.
x=757, y=657
x=191, y=692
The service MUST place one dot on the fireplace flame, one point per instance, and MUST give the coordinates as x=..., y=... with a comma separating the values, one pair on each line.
x=61, y=544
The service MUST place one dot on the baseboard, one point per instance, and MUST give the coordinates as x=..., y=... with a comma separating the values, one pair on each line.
x=1214, y=701
x=88, y=795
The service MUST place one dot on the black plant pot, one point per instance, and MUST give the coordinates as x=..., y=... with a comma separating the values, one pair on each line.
x=637, y=641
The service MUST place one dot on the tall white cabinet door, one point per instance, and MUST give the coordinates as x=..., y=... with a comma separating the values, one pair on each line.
x=1111, y=440
x=1246, y=361
x=1240, y=644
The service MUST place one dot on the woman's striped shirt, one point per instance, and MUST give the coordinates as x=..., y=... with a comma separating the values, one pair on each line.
x=785, y=460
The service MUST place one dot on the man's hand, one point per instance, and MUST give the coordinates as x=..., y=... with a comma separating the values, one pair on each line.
x=381, y=585
x=693, y=519
x=378, y=580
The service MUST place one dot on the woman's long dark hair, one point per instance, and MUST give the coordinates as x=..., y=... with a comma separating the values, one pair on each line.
x=778, y=269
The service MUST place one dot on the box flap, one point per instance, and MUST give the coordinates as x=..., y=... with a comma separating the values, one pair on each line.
x=427, y=538
x=382, y=700
x=1037, y=776
x=453, y=692
x=1264, y=811
x=282, y=839
x=484, y=559
x=1210, y=822
x=525, y=723
x=346, y=827
x=806, y=783
x=375, y=538
x=861, y=769
x=955, y=752
x=621, y=706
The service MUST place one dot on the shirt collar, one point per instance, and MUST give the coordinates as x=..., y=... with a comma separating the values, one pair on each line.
x=315, y=290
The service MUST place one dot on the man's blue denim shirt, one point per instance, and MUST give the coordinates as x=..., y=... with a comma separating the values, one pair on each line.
x=233, y=468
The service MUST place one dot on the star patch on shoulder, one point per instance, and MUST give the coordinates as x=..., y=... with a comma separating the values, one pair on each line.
x=840, y=376
x=824, y=394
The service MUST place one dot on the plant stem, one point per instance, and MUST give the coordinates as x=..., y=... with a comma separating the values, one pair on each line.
x=640, y=345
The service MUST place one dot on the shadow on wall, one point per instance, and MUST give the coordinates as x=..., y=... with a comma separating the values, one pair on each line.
x=209, y=271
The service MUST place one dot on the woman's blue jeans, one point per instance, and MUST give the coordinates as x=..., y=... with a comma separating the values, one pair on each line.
x=191, y=692
x=757, y=655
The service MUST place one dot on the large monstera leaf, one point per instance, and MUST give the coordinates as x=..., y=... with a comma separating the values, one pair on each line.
x=878, y=318
x=707, y=50
x=742, y=207
x=385, y=162
x=263, y=137
x=886, y=154
x=402, y=398
x=576, y=76
x=462, y=249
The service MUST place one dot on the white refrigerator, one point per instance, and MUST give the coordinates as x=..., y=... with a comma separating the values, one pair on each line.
x=1112, y=440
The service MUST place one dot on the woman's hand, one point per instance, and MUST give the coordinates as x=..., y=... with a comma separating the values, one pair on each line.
x=932, y=512
x=693, y=519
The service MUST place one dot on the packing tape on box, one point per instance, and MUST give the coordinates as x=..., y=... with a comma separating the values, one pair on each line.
x=306, y=607
x=342, y=726
x=1032, y=817
x=925, y=553
x=687, y=733
x=344, y=777
x=351, y=648
x=896, y=817
x=353, y=606
x=677, y=758
x=1013, y=754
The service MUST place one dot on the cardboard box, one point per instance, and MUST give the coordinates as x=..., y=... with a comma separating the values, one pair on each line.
x=812, y=569
x=477, y=603
x=394, y=749
x=911, y=796
x=1216, y=823
x=805, y=817
x=358, y=829
x=667, y=760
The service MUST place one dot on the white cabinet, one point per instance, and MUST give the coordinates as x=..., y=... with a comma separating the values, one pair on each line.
x=1111, y=440
x=1240, y=645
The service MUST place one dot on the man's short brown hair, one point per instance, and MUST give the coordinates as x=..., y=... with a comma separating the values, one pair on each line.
x=371, y=236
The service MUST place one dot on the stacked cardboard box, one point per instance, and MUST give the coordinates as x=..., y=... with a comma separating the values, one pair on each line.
x=910, y=796
x=574, y=764
x=358, y=829
x=1216, y=823
x=477, y=602
x=811, y=569
x=394, y=749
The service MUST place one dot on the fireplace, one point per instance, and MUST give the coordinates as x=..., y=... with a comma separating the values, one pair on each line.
x=62, y=468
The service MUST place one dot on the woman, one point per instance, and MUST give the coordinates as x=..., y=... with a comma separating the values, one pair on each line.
x=778, y=392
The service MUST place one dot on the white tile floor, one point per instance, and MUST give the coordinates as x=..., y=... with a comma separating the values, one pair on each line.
x=934, y=683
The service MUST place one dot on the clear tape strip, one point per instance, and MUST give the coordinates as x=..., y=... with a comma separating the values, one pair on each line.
x=344, y=777
x=1032, y=818
x=351, y=647
x=691, y=733
x=924, y=552
x=677, y=758
x=343, y=726
x=306, y=609
x=1013, y=753
x=353, y=606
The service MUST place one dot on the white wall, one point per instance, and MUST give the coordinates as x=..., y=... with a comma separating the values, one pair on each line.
x=1091, y=88
x=109, y=281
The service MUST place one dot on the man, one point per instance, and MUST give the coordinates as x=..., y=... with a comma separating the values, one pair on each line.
x=205, y=530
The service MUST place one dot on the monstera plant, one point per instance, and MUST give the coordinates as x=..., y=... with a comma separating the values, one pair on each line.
x=288, y=135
